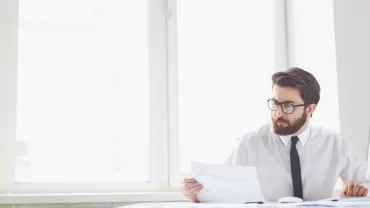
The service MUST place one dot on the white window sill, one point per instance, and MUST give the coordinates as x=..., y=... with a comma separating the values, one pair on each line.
x=97, y=198
x=91, y=198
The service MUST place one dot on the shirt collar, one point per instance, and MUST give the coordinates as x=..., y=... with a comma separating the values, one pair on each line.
x=302, y=137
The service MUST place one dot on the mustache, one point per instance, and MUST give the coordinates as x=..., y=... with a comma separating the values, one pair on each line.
x=281, y=119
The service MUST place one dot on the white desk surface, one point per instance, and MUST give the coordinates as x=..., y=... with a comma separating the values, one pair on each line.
x=206, y=205
x=187, y=205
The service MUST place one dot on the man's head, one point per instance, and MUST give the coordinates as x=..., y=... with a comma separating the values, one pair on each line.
x=295, y=95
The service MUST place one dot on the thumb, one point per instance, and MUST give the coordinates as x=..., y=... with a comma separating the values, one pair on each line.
x=195, y=199
x=344, y=192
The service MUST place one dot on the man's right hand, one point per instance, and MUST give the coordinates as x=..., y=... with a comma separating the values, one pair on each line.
x=190, y=188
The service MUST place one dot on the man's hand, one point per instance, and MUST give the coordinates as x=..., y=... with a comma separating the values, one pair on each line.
x=354, y=189
x=190, y=188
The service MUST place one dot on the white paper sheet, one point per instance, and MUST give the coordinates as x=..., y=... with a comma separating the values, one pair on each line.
x=344, y=202
x=227, y=184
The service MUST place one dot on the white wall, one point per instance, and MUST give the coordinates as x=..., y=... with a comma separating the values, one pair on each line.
x=352, y=37
x=8, y=75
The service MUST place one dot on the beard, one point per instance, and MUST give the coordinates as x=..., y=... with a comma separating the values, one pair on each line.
x=289, y=129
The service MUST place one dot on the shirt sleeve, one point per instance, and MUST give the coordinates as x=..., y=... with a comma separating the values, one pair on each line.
x=239, y=155
x=353, y=166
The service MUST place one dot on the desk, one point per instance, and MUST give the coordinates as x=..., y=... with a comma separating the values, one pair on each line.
x=205, y=205
x=188, y=205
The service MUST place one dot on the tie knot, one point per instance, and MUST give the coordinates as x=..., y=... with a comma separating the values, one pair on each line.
x=295, y=139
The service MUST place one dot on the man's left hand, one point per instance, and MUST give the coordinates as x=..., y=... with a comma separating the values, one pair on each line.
x=354, y=189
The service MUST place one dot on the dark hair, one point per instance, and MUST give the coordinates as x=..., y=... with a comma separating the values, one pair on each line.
x=302, y=80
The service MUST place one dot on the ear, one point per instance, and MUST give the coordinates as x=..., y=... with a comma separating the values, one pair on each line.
x=310, y=109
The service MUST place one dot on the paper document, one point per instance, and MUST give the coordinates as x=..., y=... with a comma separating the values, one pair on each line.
x=342, y=202
x=227, y=184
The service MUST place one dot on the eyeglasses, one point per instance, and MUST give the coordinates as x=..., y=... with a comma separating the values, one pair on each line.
x=286, y=107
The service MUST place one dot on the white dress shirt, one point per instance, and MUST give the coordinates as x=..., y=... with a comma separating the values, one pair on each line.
x=324, y=157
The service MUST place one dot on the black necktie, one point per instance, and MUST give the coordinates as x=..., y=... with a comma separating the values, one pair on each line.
x=295, y=167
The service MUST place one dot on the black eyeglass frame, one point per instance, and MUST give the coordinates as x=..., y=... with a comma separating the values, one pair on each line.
x=280, y=103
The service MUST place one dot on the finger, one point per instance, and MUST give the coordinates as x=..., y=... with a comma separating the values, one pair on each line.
x=350, y=188
x=188, y=195
x=190, y=185
x=184, y=188
x=192, y=194
x=365, y=192
x=195, y=199
x=185, y=191
x=345, y=191
x=361, y=191
x=189, y=180
x=356, y=187
x=343, y=194
x=191, y=197
x=195, y=188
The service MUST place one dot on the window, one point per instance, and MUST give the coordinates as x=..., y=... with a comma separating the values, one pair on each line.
x=116, y=93
x=226, y=56
x=82, y=110
x=225, y=65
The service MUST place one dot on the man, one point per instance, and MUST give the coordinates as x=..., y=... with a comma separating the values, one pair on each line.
x=293, y=158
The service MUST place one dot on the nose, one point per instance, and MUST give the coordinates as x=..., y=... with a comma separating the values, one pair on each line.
x=279, y=113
